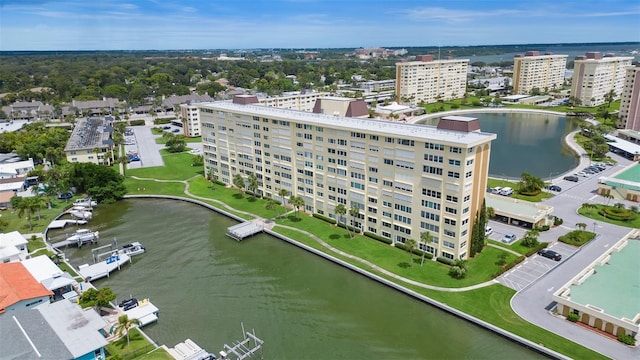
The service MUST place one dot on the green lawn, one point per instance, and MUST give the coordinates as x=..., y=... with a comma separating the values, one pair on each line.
x=481, y=268
x=516, y=246
x=176, y=167
x=593, y=214
x=188, y=140
x=493, y=182
x=39, y=221
x=137, y=347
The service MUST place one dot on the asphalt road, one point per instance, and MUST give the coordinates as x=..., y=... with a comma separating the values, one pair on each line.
x=538, y=278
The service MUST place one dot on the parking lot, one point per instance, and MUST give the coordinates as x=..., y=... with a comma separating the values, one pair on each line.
x=142, y=145
x=534, y=267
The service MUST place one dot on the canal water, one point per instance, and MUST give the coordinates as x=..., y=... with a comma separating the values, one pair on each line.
x=527, y=142
x=304, y=307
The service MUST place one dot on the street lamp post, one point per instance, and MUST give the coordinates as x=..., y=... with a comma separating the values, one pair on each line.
x=594, y=227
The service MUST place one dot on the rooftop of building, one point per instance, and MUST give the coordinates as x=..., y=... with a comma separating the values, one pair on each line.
x=609, y=288
x=624, y=145
x=89, y=134
x=354, y=124
x=18, y=284
x=42, y=268
x=521, y=209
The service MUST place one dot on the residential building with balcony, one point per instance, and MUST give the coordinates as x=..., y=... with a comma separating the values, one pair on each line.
x=404, y=178
x=595, y=75
x=428, y=80
x=91, y=141
x=629, y=116
x=535, y=71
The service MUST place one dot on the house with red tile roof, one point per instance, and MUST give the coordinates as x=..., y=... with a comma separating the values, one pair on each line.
x=19, y=289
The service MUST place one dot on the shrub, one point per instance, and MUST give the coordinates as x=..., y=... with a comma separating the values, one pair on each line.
x=509, y=266
x=627, y=339
x=573, y=317
x=543, y=228
x=160, y=121
x=445, y=261
x=377, y=237
x=136, y=122
x=350, y=228
x=324, y=218
x=557, y=221
x=577, y=237
x=617, y=214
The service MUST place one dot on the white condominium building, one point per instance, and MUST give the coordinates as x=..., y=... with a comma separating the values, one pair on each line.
x=190, y=119
x=296, y=100
x=405, y=179
x=543, y=72
x=629, y=116
x=594, y=76
x=427, y=80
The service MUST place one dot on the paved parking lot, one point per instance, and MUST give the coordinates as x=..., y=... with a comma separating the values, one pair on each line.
x=145, y=146
x=534, y=267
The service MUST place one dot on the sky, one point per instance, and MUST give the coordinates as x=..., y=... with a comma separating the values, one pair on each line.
x=309, y=24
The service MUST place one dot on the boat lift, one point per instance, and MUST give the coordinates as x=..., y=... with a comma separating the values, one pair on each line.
x=246, y=348
x=97, y=257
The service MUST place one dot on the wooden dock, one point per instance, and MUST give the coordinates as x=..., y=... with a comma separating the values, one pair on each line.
x=245, y=229
x=103, y=268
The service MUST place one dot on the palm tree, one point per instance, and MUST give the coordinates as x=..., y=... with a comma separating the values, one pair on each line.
x=253, y=184
x=581, y=226
x=124, y=324
x=354, y=211
x=26, y=208
x=459, y=269
x=491, y=212
x=271, y=204
x=410, y=244
x=282, y=193
x=238, y=181
x=426, y=239
x=298, y=202
x=341, y=210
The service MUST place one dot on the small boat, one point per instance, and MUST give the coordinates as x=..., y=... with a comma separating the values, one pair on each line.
x=81, y=214
x=87, y=202
x=135, y=248
x=82, y=236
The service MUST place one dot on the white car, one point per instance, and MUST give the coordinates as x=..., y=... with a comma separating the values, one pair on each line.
x=581, y=174
x=488, y=230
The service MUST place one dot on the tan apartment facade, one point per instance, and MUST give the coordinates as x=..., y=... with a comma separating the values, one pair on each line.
x=303, y=101
x=190, y=120
x=595, y=75
x=532, y=70
x=428, y=80
x=629, y=116
x=405, y=179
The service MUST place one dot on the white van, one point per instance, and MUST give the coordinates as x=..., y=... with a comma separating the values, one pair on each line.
x=506, y=191
x=496, y=190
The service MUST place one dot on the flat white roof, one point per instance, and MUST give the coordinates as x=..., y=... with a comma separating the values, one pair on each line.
x=41, y=268
x=381, y=127
x=625, y=145
x=515, y=97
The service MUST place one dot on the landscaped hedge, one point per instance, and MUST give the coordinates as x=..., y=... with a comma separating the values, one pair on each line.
x=160, y=121
x=535, y=249
x=415, y=251
x=627, y=339
x=557, y=221
x=376, y=237
x=573, y=317
x=324, y=218
x=529, y=193
x=543, y=228
x=136, y=123
x=445, y=261
x=350, y=228
x=577, y=237
x=509, y=266
x=614, y=213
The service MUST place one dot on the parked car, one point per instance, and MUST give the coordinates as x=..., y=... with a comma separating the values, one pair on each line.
x=571, y=178
x=166, y=127
x=581, y=174
x=175, y=130
x=550, y=254
x=509, y=238
x=65, y=196
x=134, y=158
x=488, y=230
x=496, y=190
x=506, y=191
x=554, y=188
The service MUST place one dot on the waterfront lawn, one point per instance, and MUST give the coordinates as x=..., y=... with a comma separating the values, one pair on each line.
x=137, y=346
x=493, y=305
x=142, y=187
x=232, y=197
x=480, y=269
x=176, y=167
x=593, y=213
x=493, y=182
x=21, y=224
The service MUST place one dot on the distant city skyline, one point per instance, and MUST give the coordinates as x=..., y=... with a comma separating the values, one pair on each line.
x=243, y=24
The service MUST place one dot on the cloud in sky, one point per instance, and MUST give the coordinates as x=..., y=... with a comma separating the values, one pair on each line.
x=182, y=24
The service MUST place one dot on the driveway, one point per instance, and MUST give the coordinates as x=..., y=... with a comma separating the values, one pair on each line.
x=146, y=148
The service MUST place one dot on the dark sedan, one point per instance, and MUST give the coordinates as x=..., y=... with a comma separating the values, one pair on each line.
x=550, y=254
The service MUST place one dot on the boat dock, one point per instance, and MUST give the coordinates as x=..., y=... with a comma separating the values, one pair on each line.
x=145, y=312
x=189, y=350
x=246, y=348
x=59, y=224
x=103, y=268
x=245, y=229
